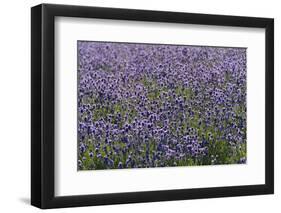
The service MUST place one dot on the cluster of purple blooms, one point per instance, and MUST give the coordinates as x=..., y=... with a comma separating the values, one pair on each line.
x=148, y=105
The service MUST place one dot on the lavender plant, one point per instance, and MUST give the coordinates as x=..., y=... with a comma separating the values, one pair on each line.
x=148, y=105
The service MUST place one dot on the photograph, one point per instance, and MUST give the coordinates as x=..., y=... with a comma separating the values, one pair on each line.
x=160, y=105
x=135, y=105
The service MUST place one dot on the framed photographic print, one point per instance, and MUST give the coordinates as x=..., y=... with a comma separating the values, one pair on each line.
x=139, y=106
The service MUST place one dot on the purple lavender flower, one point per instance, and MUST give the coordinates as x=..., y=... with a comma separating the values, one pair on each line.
x=148, y=105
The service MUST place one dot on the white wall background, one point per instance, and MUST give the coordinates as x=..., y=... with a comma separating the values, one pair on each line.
x=15, y=105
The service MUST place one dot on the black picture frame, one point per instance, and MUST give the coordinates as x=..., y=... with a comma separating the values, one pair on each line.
x=43, y=102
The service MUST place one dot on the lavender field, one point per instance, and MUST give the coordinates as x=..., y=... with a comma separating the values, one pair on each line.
x=149, y=105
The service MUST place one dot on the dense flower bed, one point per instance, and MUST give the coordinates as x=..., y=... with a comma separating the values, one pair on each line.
x=143, y=105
